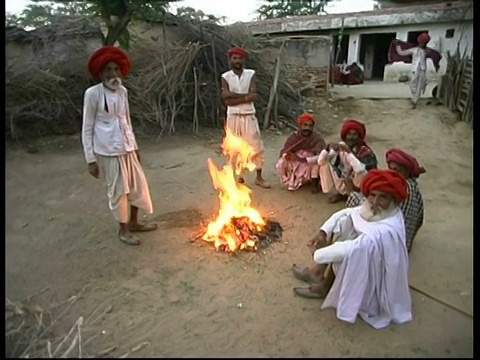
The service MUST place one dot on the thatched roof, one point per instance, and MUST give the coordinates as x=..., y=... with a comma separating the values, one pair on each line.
x=62, y=28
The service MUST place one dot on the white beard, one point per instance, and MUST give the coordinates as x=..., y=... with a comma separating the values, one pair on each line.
x=372, y=215
x=114, y=84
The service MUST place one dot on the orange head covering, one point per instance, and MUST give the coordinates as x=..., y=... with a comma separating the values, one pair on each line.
x=305, y=118
x=406, y=160
x=423, y=38
x=103, y=56
x=387, y=181
x=236, y=51
x=352, y=124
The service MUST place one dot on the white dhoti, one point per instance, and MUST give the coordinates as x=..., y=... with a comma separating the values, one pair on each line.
x=126, y=185
x=418, y=85
x=246, y=127
x=332, y=183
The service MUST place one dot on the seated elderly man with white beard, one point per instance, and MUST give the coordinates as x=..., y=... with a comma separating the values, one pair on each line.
x=367, y=249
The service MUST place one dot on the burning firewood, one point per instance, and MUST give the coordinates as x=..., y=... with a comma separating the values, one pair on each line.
x=238, y=225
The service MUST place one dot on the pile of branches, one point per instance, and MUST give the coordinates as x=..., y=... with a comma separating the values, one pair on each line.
x=45, y=96
x=171, y=86
x=180, y=83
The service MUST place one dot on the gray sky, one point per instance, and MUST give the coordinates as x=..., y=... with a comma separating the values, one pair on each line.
x=233, y=10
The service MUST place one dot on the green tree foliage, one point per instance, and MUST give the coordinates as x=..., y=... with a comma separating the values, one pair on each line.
x=274, y=9
x=115, y=14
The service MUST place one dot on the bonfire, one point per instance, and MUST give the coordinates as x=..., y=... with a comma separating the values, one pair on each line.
x=238, y=225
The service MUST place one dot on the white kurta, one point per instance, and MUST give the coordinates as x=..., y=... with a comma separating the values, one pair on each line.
x=108, y=139
x=331, y=181
x=241, y=119
x=418, y=84
x=371, y=269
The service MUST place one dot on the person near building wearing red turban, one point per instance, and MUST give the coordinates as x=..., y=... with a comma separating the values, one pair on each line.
x=239, y=96
x=363, y=250
x=413, y=206
x=419, y=54
x=109, y=143
x=343, y=164
x=293, y=167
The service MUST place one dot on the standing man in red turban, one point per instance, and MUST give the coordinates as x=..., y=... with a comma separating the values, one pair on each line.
x=413, y=207
x=293, y=166
x=239, y=95
x=109, y=143
x=419, y=54
x=367, y=249
x=343, y=164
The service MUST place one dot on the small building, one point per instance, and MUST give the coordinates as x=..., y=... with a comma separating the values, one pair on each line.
x=365, y=37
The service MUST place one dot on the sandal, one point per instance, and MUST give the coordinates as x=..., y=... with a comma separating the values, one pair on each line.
x=143, y=228
x=129, y=239
x=262, y=183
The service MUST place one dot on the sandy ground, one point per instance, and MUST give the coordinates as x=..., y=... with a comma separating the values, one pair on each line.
x=180, y=299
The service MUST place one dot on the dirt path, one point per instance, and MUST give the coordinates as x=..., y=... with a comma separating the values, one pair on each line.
x=182, y=298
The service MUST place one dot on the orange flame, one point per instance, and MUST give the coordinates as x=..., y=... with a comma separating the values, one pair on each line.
x=235, y=199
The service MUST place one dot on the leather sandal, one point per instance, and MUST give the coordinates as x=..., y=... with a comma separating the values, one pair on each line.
x=129, y=239
x=143, y=228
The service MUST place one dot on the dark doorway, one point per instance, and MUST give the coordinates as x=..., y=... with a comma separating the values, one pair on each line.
x=413, y=35
x=374, y=54
x=340, y=54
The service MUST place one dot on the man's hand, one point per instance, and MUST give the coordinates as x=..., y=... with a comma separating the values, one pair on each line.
x=318, y=241
x=344, y=147
x=290, y=156
x=94, y=170
x=334, y=146
x=250, y=98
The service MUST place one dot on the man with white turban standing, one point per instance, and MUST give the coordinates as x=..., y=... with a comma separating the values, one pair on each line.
x=109, y=143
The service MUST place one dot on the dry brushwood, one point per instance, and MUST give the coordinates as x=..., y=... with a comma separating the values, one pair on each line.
x=171, y=85
x=30, y=329
x=187, y=90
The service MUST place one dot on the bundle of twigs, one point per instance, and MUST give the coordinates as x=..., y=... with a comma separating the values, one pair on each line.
x=31, y=331
x=45, y=97
x=170, y=85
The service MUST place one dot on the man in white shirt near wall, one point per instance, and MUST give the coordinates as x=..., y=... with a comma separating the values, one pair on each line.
x=109, y=143
x=239, y=95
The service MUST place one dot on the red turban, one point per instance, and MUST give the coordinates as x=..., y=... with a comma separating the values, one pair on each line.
x=103, y=56
x=236, y=51
x=305, y=118
x=407, y=161
x=387, y=181
x=423, y=38
x=352, y=124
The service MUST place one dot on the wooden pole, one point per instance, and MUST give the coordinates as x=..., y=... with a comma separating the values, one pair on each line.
x=273, y=89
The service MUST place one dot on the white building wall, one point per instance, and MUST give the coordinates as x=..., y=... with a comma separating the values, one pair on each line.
x=463, y=33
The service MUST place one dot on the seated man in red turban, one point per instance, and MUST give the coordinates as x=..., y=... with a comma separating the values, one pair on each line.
x=343, y=165
x=292, y=166
x=367, y=249
x=412, y=207
x=109, y=143
x=239, y=96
